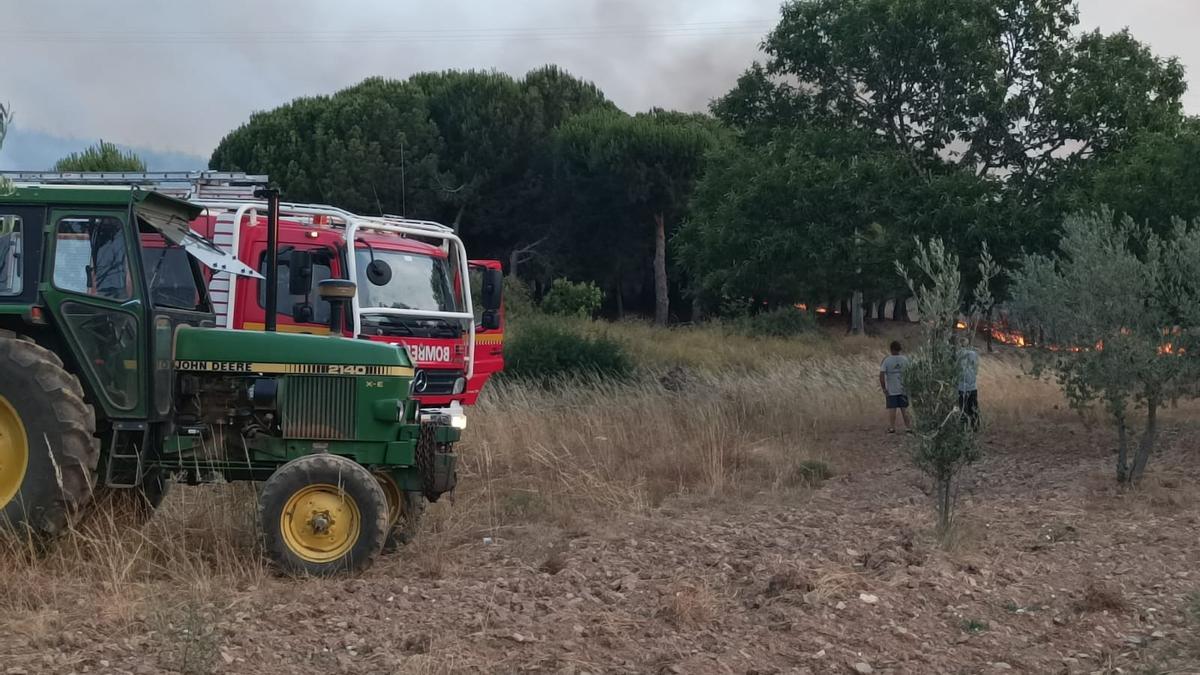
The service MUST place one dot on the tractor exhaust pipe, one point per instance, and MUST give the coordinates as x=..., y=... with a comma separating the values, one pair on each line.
x=272, y=280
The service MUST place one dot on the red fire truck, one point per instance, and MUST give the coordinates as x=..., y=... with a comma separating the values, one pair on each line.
x=414, y=278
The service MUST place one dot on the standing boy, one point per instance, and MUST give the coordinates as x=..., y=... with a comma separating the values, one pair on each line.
x=968, y=389
x=892, y=383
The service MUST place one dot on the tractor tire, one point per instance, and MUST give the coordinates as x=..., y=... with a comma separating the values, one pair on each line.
x=404, y=512
x=322, y=515
x=48, y=449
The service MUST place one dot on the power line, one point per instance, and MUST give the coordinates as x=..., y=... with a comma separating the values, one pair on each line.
x=390, y=36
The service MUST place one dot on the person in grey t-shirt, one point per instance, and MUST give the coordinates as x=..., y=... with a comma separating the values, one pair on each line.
x=968, y=389
x=892, y=383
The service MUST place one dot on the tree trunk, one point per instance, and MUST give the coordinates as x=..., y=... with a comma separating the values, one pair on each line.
x=1122, y=451
x=662, y=301
x=697, y=309
x=514, y=259
x=988, y=334
x=620, y=299
x=1147, y=442
x=944, y=503
x=856, y=314
x=900, y=311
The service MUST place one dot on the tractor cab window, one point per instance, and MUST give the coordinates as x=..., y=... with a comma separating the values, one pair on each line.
x=90, y=257
x=294, y=306
x=10, y=255
x=170, y=272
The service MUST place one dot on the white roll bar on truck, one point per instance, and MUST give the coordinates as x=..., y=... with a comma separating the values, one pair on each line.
x=354, y=223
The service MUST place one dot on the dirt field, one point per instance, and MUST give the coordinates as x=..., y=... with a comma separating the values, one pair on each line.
x=673, y=525
x=1054, y=571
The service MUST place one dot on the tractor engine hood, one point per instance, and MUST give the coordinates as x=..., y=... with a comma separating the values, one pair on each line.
x=243, y=351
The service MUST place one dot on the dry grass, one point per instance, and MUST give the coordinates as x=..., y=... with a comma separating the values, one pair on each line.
x=752, y=416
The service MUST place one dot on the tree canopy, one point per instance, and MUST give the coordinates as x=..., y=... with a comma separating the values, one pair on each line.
x=1007, y=87
x=103, y=156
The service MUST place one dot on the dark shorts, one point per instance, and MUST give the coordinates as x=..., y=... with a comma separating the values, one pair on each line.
x=897, y=401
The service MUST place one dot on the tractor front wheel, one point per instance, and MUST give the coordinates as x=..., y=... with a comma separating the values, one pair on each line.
x=323, y=515
x=48, y=452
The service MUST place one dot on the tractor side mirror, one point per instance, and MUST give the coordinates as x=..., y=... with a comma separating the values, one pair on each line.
x=493, y=286
x=491, y=320
x=302, y=312
x=300, y=269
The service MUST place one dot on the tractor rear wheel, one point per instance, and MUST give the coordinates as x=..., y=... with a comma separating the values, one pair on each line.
x=323, y=515
x=48, y=449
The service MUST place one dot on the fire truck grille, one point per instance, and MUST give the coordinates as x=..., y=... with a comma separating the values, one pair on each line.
x=441, y=382
x=318, y=408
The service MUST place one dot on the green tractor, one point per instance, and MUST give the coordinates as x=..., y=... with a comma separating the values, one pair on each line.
x=115, y=384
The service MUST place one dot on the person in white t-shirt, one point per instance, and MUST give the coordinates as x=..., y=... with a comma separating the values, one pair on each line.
x=968, y=389
x=892, y=382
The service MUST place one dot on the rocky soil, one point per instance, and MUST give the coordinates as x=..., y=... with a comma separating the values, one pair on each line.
x=1052, y=569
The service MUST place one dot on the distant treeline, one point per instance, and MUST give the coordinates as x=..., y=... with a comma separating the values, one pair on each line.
x=869, y=123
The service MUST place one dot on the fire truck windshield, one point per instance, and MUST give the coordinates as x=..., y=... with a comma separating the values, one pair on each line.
x=418, y=282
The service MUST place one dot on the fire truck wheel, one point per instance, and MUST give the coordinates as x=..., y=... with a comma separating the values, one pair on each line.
x=322, y=515
x=404, y=512
x=48, y=452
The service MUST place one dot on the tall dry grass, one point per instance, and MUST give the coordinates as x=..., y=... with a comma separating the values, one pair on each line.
x=697, y=420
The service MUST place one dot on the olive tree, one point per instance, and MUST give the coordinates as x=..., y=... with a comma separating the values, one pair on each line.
x=944, y=444
x=1113, y=317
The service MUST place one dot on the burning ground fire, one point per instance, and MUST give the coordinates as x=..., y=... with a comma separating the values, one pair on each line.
x=1005, y=335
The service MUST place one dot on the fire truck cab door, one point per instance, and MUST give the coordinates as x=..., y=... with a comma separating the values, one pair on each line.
x=489, y=343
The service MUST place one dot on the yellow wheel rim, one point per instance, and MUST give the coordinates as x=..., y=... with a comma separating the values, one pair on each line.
x=391, y=492
x=320, y=523
x=14, y=452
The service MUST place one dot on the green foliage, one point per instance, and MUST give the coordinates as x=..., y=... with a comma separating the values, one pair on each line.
x=548, y=350
x=518, y=301
x=1010, y=86
x=103, y=156
x=783, y=322
x=468, y=148
x=618, y=176
x=810, y=472
x=1152, y=180
x=569, y=298
x=944, y=442
x=1115, y=316
x=811, y=214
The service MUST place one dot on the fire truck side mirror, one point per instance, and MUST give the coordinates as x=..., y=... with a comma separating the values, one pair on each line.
x=491, y=320
x=493, y=285
x=300, y=269
x=302, y=312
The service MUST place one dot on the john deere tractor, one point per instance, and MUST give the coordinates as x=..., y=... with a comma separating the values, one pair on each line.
x=114, y=384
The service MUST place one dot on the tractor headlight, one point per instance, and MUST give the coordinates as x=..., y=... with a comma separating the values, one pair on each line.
x=460, y=385
x=458, y=420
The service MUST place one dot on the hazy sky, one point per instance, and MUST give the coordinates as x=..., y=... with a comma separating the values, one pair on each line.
x=177, y=76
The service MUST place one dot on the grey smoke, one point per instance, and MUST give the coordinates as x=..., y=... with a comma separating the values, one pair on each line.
x=177, y=76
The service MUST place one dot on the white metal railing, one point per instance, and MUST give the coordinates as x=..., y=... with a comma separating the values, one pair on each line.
x=352, y=224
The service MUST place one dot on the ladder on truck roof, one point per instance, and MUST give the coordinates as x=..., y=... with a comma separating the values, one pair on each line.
x=190, y=185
